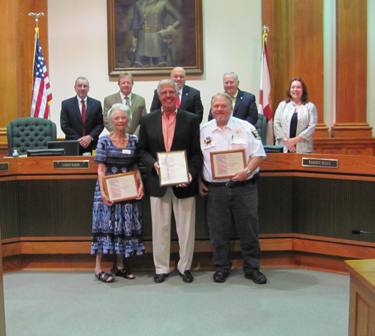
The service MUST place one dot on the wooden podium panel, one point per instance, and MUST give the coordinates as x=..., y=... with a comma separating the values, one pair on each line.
x=2, y=310
x=362, y=297
x=46, y=208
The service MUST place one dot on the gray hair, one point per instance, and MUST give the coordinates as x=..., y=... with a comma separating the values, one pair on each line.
x=231, y=74
x=227, y=97
x=125, y=74
x=165, y=82
x=117, y=107
x=81, y=78
x=179, y=68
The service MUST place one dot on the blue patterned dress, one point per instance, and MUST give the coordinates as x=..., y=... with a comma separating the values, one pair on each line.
x=116, y=228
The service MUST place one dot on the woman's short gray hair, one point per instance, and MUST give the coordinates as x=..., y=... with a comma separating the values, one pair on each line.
x=117, y=107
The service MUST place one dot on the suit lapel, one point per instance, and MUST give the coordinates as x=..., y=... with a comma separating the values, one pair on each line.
x=179, y=124
x=159, y=129
x=77, y=112
x=184, y=95
x=89, y=109
x=238, y=102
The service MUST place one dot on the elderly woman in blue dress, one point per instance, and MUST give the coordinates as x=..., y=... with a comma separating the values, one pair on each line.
x=116, y=227
x=295, y=120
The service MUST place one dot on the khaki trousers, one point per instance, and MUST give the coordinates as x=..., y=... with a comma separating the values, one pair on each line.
x=161, y=215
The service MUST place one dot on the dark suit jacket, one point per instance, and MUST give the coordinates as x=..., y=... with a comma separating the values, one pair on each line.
x=190, y=101
x=71, y=121
x=186, y=137
x=245, y=107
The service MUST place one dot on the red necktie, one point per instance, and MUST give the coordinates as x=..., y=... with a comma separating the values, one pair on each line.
x=83, y=115
x=178, y=101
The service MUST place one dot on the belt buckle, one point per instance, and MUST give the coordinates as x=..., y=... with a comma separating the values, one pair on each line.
x=230, y=184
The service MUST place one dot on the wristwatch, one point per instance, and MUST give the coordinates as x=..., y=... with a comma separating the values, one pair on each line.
x=248, y=171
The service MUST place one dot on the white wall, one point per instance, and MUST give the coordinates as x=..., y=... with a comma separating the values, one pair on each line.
x=77, y=37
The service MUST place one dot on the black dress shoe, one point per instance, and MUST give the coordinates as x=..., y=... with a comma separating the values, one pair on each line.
x=186, y=276
x=257, y=276
x=220, y=276
x=159, y=278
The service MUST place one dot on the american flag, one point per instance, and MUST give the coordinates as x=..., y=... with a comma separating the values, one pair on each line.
x=42, y=95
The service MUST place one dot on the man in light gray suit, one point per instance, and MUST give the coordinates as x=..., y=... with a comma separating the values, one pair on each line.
x=125, y=96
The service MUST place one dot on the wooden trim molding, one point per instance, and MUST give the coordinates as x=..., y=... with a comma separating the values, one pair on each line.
x=345, y=145
x=278, y=250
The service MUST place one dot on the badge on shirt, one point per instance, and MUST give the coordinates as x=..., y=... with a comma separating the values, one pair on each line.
x=238, y=136
x=126, y=151
x=208, y=142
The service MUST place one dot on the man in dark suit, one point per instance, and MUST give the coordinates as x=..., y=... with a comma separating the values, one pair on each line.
x=189, y=99
x=243, y=103
x=81, y=117
x=164, y=130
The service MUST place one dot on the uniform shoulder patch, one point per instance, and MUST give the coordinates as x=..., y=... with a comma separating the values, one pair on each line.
x=256, y=134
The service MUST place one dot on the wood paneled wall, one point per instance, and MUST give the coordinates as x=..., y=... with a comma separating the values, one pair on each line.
x=16, y=59
x=351, y=69
x=296, y=49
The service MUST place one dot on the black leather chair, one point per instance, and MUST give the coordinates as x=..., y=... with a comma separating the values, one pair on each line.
x=261, y=126
x=29, y=133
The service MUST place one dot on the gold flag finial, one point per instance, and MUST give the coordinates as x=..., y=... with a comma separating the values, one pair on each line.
x=36, y=16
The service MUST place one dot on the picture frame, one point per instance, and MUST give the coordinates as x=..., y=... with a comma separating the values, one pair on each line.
x=121, y=187
x=225, y=164
x=173, y=168
x=150, y=37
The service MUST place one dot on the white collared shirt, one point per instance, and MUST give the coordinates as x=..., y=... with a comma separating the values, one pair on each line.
x=237, y=134
x=123, y=98
x=80, y=103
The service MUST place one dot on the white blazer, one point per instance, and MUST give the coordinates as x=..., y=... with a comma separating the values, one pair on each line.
x=307, y=118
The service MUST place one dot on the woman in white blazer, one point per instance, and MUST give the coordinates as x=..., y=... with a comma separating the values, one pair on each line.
x=295, y=120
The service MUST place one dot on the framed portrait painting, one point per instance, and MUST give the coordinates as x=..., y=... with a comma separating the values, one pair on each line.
x=150, y=37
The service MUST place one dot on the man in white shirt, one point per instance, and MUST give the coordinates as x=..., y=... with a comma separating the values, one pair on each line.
x=235, y=197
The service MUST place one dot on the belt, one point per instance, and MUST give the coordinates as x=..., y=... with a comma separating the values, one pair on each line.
x=233, y=184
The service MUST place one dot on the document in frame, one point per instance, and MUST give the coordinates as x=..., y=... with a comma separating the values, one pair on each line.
x=121, y=187
x=225, y=164
x=173, y=168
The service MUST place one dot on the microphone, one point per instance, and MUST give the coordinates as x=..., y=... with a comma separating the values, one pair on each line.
x=362, y=232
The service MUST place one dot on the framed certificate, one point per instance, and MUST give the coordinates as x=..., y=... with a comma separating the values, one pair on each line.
x=225, y=164
x=121, y=187
x=173, y=168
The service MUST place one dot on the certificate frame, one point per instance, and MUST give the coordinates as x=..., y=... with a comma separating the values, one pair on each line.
x=233, y=160
x=114, y=186
x=173, y=168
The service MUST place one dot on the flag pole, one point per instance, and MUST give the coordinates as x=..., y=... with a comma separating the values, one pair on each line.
x=41, y=86
x=36, y=17
x=265, y=88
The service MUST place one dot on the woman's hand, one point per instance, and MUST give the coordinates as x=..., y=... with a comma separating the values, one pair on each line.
x=141, y=192
x=106, y=200
x=291, y=143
